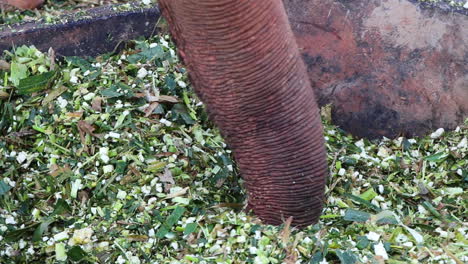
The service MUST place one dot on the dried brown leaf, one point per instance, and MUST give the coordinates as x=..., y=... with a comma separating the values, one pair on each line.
x=83, y=129
x=177, y=194
x=96, y=104
x=286, y=232
x=151, y=98
x=168, y=99
x=4, y=65
x=51, y=54
x=83, y=195
x=149, y=110
x=56, y=170
x=53, y=94
x=137, y=238
x=167, y=177
x=4, y=94
x=75, y=114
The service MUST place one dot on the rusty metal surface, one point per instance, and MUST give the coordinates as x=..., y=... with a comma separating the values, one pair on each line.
x=90, y=33
x=389, y=67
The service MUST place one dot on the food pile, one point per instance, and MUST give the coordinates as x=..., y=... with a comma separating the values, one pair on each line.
x=113, y=160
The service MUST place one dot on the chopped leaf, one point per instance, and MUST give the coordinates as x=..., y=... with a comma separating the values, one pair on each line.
x=346, y=257
x=356, y=216
x=4, y=188
x=35, y=83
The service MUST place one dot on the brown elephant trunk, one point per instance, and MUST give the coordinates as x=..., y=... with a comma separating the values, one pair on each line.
x=244, y=64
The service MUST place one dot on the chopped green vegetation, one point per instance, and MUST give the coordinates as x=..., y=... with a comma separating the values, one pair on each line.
x=113, y=160
x=54, y=8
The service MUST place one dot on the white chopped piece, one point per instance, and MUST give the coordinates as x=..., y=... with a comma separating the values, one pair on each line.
x=62, y=102
x=175, y=245
x=142, y=73
x=118, y=104
x=103, y=153
x=75, y=187
x=342, y=172
x=61, y=236
x=151, y=233
x=31, y=251
x=103, y=245
x=74, y=79
x=10, y=220
x=22, y=157
x=253, y=250
x=121, y=260
x=373, y=236
x=35, y=213
x=360, y=143
x=165, y=122
x=152, y=200
x=408, y=244
x=153, y=45
x=401, y=238
x=134, y=260
x=9, y=182
x=81, y=236
x=121, y=195
x=146, y=2
x=438, y=133
x=89, y=96
x=465, y=5
x=182, y=84
x=146, y=190
x=114, y=135
x=381, y=189
x=382, y=152
x=463, y=143
x=60, y=252
x=164, y=43
x=108, y=169
x=241, y=239
x=379, y=250
x=442, y=232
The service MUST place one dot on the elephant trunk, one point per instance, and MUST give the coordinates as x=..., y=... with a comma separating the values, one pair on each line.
x=244, y=64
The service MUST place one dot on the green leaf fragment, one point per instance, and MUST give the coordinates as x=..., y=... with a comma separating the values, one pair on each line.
x=431, y=209
x=4, y=187
x=60, y=253
x=18, y=71
x=36, y=83
x=170, y=221
x=37, y=236
x=346, y=257
x=190, y=228
x=356, y=216
x=76, y=253
x=368, y=195
x=436, y=157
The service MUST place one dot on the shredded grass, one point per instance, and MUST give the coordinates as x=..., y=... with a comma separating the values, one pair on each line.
x=113, y=160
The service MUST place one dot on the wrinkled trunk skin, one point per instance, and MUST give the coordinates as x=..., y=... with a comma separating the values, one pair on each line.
x=244, y=64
